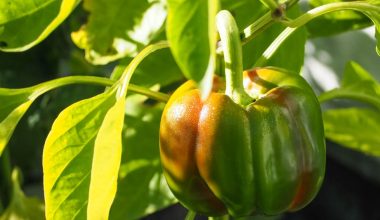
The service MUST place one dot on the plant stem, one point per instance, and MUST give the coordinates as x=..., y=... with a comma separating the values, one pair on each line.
x=272, y=48
x=293, y=25
x=69, y=80
x=257, y=27
x=331, y=7
x=5, y=179
x=233, y=58
x=128, y=72
x=159, y=96
x=339, y=93
x=272, y=4
x=261, y=24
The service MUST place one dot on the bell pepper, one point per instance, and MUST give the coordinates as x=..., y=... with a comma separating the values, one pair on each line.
x=266, y=157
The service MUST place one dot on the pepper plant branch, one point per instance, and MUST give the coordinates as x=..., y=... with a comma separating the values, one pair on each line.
x=272, y=4
x=262, y=23
x=339, y=94
x=93, y=80
x=159, y=96
x=233, y=57
x=130, y=69
x=293, y=25
x=268, y=53
x=331, y=7
x=257, y=27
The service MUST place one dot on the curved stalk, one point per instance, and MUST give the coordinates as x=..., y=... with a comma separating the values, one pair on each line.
x=268, y=53
x=339, y=94
x=257, y=27
x=128, y=72
x=331, y=7
x=159, y=96
x=261, y=24
x=233, y=57
x=69, y=80
x=93, y=80
x=293, y=25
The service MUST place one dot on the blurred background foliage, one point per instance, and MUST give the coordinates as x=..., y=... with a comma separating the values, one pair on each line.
x=352, y=186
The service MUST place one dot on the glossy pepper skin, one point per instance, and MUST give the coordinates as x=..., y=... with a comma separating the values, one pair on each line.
x=267, y=157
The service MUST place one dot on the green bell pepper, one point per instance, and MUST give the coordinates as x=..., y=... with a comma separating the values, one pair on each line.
x=267, y=157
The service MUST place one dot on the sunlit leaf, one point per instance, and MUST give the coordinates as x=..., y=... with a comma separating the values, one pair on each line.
x=118, y=28
x=191, y=34
x=355, y=128
x=106, y=163
x=22, y=207
x=142, y=188
x=25, y=23
x=81, y=158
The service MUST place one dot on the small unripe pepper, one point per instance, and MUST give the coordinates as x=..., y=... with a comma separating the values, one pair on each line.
x=266, y=157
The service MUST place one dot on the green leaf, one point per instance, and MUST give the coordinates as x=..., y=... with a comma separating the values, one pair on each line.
x=337, y=22
x=22, y=207
x=191, y=34
x=142, y=188
x=81, y=158
x=118, y=28
x=25, y=23
x=355, y=128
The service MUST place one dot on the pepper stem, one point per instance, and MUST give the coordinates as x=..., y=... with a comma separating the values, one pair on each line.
x=233, y=57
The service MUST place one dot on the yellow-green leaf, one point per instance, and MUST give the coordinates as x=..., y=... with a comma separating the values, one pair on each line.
x=142, y=188
x=75, y=156
x=106, y=162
